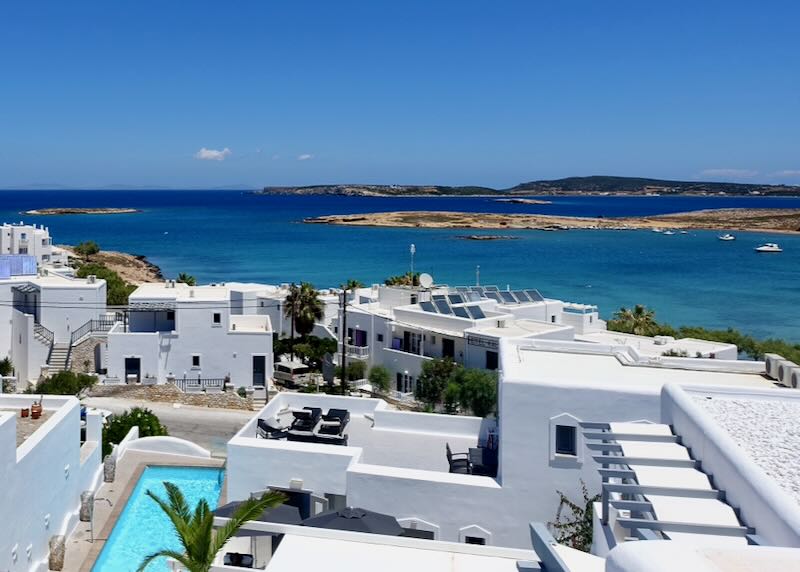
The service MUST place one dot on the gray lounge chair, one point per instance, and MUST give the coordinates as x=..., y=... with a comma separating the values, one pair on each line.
x=459, y=462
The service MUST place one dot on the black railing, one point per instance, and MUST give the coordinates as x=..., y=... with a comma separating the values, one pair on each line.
x=188, y=384
x=91, y=327
x=45, y=335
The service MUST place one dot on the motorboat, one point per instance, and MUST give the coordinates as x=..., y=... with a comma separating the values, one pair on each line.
x=669, y=232
x=769, y=247
x=726, y=237
x=684, y=232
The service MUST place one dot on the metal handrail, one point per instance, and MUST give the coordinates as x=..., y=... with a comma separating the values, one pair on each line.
x=47, y=336
x=90, y=327
x=200, y=383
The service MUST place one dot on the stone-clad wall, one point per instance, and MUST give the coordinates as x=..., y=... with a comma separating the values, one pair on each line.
x=170, y=393
x=82, y=352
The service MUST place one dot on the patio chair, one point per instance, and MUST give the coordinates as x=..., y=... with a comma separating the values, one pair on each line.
x=270, y=429
x=459, y=462
x=238, y=560
x=306, y=419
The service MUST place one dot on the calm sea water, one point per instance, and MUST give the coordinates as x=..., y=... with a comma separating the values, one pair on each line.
x=229, y=235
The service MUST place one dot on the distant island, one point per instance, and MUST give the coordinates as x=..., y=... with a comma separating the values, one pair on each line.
x=772, y=220
x=594, y=185
x=79, y=211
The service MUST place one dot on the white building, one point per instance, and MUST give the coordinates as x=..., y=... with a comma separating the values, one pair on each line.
x=395, y=462
x=44, y=468
x=20, y=238
x=40, y=316
x=190, y=333
x=401, y=328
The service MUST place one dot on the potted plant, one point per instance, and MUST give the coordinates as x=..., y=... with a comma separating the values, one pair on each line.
x=25, y=412
x=36, y=408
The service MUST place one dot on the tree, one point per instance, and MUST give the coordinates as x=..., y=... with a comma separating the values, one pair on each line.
x=575, y=531
x=186, y=279
x=478, y=390
x=407, y=279
x=86, y=249
x=148, y=423
x=200, y=542
x=379, y=379
x=64, y=383
x=639, y=321
x=6, y=367
x=303, y=307
x=313, y=350
x=451, y=397
x=433, y=379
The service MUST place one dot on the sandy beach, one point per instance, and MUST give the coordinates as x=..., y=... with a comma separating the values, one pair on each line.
x=772, y=220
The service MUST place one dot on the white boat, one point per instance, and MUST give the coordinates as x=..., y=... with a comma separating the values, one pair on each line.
x=684, y=232
x=769, y=247
x=727, y=236
x=668, y=232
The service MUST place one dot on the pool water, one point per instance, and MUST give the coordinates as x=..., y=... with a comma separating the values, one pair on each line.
x=143, y=528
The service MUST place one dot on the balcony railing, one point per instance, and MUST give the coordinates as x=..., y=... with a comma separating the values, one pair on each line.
x=197, y=384
x=355, y=351
x=101, y=326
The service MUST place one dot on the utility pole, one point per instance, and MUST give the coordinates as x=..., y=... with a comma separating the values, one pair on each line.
x=343, y=306
x=413, y=252
x=478, y=275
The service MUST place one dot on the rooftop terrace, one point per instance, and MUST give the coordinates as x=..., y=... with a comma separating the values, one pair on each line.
x=26, y=426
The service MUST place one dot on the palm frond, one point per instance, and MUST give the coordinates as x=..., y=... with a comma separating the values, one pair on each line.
x=189, y=565
x=247, y=511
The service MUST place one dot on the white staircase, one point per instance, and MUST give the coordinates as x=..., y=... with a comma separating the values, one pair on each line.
x=58, y=357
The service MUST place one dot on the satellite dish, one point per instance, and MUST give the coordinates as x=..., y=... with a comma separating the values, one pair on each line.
x=425, y=280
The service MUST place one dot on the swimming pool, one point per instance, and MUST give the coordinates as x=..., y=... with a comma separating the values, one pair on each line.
x=143, y=528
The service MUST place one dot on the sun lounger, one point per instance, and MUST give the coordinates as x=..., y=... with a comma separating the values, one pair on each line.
x=270, y=429
x=306, y=419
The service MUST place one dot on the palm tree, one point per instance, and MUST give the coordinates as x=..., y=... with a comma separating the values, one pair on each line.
x=186, y=279
x=201, y=543
x=303, y=307
x=407, y=279
x=640, y=321
x=348, y=286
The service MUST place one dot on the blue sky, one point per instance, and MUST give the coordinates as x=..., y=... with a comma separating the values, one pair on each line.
x=205, y=94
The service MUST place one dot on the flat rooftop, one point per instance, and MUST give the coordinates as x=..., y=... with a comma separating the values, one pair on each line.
x=334, y=555
x=648, y=346
x=521, y=365
x=519, y=329
x=767, y=430
x=183, y=292
x=26, y=426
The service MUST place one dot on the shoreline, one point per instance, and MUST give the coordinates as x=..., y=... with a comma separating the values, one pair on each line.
x=59, y=211
x=134, y=269
x=784, y=221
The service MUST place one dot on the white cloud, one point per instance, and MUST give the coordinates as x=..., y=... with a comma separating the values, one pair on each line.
x=731, y=173
x=305, y=157
x=212, y=154
x=787, y=173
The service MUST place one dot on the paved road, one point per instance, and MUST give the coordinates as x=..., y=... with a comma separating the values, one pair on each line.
x=209, y=428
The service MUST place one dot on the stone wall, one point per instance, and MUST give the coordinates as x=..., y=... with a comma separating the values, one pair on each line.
x=83, y=352
x=170, y=393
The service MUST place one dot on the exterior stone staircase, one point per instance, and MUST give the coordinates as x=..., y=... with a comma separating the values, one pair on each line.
x=58, y=357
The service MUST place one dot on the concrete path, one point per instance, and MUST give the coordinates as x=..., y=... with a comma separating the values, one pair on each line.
x=209, y=428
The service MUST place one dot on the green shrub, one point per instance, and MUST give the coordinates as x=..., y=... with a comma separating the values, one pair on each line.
x=117, y=290
x=379, y=378
x=147, y=421
x=64, y=383
x=6, y=367
x=355, y=370
x=241, y=392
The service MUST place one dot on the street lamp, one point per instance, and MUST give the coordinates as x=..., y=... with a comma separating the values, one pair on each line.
x=413, y=252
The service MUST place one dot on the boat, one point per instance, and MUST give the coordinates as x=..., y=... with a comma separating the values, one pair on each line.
x=684, y=232
x=668, y=232
x=769, y=247
x=727, y=236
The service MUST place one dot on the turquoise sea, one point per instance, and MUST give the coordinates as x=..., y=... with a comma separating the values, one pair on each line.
x=232, y=235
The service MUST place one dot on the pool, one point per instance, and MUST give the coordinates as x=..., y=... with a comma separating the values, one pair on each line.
x=143, y=528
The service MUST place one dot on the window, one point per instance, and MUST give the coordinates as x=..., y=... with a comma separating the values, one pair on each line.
x=566, y=442
x=217, y=318
x=491, y=360
x=553, y=319
x=171, y=315
x=379, y=337
x=475, y=540
x=433, y=340
x=195, y=361
x=413, y=298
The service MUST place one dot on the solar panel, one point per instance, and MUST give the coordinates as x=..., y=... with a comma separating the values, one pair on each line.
x=461, y=312
x=476, y=312
x=473, y=296
x=493, y=295
x=492, y=289
x=477, y=289
x=438, y=297
x=521, y=296
x=535, y=296
x=462, y=289
x=427, y=307
x=508, y=297
x=442, y=306
x=456, y=298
